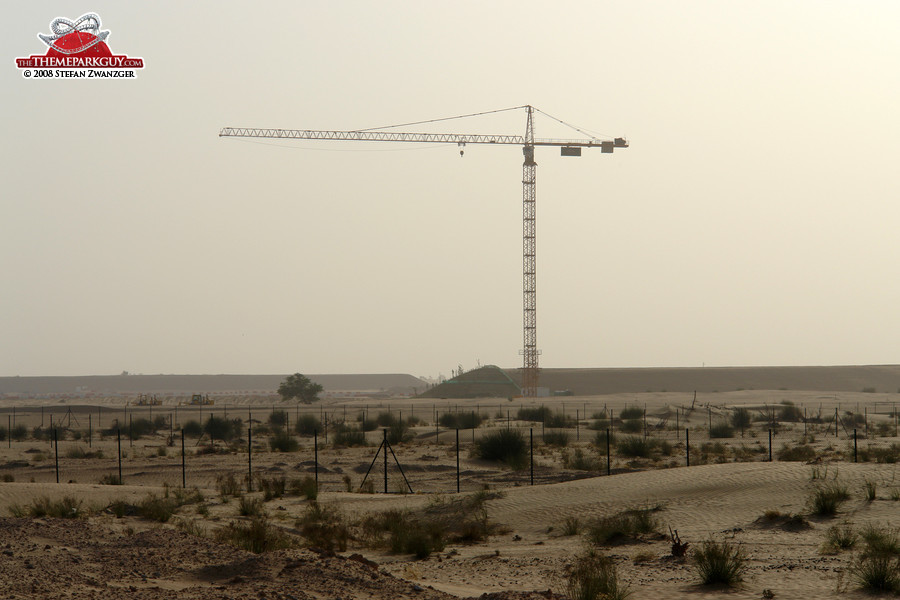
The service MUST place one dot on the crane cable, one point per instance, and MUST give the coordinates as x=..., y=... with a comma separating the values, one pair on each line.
x=488, y=112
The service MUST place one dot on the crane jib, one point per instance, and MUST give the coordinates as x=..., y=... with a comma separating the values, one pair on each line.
x=390, y=136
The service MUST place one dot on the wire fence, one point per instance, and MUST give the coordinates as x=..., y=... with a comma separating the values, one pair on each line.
x=196, y=445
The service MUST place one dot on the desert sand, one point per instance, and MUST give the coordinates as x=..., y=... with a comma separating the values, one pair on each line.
x=103, y=555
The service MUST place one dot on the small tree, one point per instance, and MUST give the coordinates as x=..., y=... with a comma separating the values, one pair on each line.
x=300, y=387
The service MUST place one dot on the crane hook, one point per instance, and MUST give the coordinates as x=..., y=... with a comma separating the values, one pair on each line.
x=462, y=148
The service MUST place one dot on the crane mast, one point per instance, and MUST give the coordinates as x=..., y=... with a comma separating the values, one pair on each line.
x=569, y=147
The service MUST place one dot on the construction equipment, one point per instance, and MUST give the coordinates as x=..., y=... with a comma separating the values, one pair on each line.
x=147, y=400
x=568, y=147
x=200, y=400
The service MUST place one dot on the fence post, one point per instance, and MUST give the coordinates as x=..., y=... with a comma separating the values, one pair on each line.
x=457, y=460
x=531, y=446
x=183, y=466
x=770, y=445
x=249, y=451
x=385, y=460
x=855, y=448
x=9, y=432
x=56, y=449
x=687, y=445
x=90, y=432
x=608, y=454
x=119, y=446
x=316, y=455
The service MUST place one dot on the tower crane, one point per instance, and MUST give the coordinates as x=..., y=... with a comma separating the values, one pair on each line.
x=568, y=147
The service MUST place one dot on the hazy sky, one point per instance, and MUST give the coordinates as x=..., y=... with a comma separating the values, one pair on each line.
x=753, y=221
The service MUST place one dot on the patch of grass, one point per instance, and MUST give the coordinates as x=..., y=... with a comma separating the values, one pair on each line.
x=624, y=527
x=271, y=487
x=877, y=572
x=306, y=487
x=841, y=537
x=256, y=535
x=191, y=526
x=870, y=490
x=157, y=509
x=592, y=576
x=799, y=453
x=580, y=461
x=828, y=498
x=110, y=480
x=571, y=526
x=504, y=445
x=324, y=527
x=228, y=486
x=880, y=540
x=720, y=563
x=67, y=507
x=250, y=507
x=406, y=533
x=81, y=452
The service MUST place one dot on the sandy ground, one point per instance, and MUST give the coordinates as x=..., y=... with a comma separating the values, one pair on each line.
x=102, y=555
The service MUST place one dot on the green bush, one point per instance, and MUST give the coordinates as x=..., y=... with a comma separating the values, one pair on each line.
x=3, y=433
x=283, y=441
x=191, y=429
x=271, y=487
x=278, y=419
x=720, y=563
x=305, y=487
x=157, y=509
x=556, y=438
x=741, y=418
x=399, y=433
x=593, y=576
x=220, y=428
x=580, y=461
x=385, y=419
x=788, y=412
x=504, y=445
x=631, y=412
x=349, y=437
x=635, y=446
x=632, y=426
x=307, y=425
x=537, y=414
x=250, y=507
x=256, y=536
x=463, y=420
x=324, y=527
x=800, y=452
x=68, y=507
x=721, y=430
x=600, y=440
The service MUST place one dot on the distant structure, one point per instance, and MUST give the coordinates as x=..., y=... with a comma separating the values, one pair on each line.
x=487, y=382
x=528, y=142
